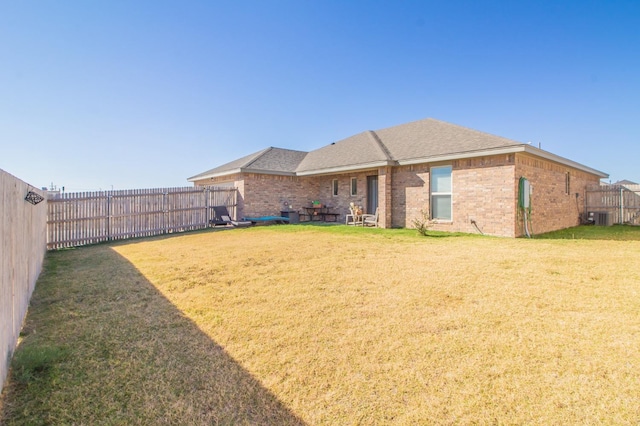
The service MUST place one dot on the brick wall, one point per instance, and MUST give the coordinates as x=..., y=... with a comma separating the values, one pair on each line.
x=409, y=194
x=340, y=203
x=261, y=194
x=482, y=191
x=266, y=195
x=552, y=206
x=485, y=189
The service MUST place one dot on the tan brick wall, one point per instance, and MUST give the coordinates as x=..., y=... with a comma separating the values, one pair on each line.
x=409, y=194
x=552, y=207
x=385, y=197
x=266, y=195
x=485, y=189
x=482, y=190
x=340, y=203
x=261, y=195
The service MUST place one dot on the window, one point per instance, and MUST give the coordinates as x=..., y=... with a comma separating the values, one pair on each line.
x=440, y=178
x=567, y=183
x=354, y=186
x=334, y=186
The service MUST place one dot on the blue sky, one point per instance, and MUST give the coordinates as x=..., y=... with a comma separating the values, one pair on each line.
x=137, y=94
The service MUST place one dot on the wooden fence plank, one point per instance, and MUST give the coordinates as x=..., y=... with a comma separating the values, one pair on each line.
x=621, y=202
x=76, y=219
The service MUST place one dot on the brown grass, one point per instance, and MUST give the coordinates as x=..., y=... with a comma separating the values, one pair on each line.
x=286, y=325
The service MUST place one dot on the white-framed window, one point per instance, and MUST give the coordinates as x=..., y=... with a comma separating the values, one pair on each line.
x=334, y=187
x=354, y=186
x=441, y=193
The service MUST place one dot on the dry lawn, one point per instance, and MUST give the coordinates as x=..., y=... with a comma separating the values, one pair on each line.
x=300, y=325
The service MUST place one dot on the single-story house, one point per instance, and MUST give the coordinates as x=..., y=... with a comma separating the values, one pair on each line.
x=467, y=180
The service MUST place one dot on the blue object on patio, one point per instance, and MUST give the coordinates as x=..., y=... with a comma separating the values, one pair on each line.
x=276, y=219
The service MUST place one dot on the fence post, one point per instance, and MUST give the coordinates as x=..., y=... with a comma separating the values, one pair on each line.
x=207, y=195
x=621, y=221
x=109, y=216
x=165, y=218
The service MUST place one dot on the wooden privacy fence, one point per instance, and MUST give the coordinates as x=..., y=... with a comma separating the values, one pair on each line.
x=620, y=202
x=81, y=218
x=23, y=226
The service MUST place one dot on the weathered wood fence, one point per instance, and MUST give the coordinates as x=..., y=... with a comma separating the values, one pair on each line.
x=81, y=218
x=621, y=202
x=22, y=247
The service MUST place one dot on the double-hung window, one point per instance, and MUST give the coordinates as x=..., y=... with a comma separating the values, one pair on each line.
x=441, y=190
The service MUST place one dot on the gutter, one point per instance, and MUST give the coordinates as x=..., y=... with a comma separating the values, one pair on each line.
x=241, y=170
x=504, y=150
x=523, y=148
x=346, y=169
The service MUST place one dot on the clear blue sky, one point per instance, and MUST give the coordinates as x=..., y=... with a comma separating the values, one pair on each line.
x=136, y=94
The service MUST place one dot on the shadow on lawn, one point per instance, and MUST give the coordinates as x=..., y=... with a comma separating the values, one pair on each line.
x=134, y=358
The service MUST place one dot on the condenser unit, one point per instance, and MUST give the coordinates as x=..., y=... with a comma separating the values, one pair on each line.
x=600, y=218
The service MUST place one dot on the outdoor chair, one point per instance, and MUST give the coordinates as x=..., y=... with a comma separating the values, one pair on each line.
x=370, y=219
x=221, y=216
x=353, y=218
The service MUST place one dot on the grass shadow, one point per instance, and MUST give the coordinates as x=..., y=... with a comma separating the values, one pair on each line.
x=131, y=357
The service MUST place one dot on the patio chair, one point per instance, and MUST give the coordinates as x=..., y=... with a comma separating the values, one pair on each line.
x=352, y=218
x=370, y=219
x=221, y=216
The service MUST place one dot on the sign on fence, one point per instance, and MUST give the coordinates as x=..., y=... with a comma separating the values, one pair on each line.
x=81, y=218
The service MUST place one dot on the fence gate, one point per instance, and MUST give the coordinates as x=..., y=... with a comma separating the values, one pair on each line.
x=619, y=203
x=81, y=218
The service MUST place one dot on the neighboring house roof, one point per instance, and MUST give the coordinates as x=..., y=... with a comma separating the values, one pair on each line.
x=270, y=161
x=625, y=182
x=422, y=141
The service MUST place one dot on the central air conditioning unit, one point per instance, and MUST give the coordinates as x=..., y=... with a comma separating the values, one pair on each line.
x=600, y=218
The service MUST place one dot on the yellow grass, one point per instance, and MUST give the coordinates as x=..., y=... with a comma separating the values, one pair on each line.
x=322, y=328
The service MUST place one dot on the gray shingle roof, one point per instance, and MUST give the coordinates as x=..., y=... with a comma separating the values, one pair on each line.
x=269, y=160
x=418, y=141
x=356, y=151
x=430, y=138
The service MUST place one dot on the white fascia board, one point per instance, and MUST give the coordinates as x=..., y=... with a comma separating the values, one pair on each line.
x=268, y=172
x=505, y=150
x=240, y=170
x=346, y=169
x=213, y=175
x=549, y=156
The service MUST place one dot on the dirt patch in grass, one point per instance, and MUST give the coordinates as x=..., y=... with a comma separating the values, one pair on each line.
x=293, y=325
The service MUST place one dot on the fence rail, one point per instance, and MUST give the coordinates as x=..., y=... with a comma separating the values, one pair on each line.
x=81, y=218
x=621, y=202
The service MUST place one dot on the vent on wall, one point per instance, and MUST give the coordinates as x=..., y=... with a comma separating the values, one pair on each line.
x=600, y=218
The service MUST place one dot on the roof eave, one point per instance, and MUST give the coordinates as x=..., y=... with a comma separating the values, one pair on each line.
x=268, y=172
x=213, y=175
x=345, y=169
x=240, y=170
x=549, y=156
x=504, y=150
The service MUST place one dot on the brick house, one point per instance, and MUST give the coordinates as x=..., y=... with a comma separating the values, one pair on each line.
x=467, y=180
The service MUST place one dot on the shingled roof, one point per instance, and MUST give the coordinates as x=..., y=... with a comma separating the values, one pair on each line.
x=363, y=150
x=429, y=138
x=420, y=141
x=269, y=161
